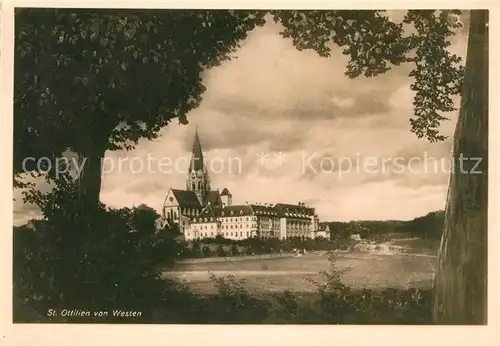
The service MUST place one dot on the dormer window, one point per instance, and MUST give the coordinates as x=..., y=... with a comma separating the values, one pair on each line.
x=232, y=212
x=222, y=213
x=205, y=219
x=241, y=212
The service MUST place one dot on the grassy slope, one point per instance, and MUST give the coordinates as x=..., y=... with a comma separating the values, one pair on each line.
x=295, y=274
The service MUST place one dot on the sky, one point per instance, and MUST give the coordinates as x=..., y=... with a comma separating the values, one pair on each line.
x=282, y=125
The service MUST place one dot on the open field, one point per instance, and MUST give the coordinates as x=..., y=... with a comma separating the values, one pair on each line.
x=299, y=273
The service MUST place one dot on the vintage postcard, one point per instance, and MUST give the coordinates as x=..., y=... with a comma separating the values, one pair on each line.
x=255, y=165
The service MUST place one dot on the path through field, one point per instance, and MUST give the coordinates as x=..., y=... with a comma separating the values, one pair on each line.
x=296, y=273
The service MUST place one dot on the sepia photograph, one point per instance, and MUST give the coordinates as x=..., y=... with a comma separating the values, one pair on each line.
x=257, y=166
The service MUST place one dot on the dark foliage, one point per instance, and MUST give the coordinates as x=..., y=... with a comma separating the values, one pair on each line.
x=143, y=219
x=221, y=252
x=71, y=262
x=429, y=226
x=112, y=76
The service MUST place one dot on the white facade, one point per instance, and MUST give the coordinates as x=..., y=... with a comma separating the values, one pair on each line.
x=201, y=230
x=247, y=221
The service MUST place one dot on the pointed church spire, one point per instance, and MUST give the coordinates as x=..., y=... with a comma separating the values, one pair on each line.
x=198, y=180
x=197, y=162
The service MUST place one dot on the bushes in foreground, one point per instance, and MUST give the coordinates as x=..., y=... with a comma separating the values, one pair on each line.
x=99, y=266
x=333, y=303
x=235, y=305
x=389, y=306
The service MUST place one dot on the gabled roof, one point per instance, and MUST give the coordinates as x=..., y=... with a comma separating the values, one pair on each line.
x=213, y=197
x=207, y=215
x=235, y=210
x=264, y=210
x=186, y=199
x=281, y=210
x=225, y=192
x=294, y=211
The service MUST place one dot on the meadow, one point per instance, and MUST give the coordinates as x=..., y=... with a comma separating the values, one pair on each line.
x=303, y=274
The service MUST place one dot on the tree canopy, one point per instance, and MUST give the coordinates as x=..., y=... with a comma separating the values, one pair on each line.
x=375, y=44
x=112, y=76
x=143, y=219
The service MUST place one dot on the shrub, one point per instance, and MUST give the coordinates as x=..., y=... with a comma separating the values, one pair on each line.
x=234, y=250
x=221, y=252
x=343, y=244
x=207, y=252
x=334, y=303
x=234, y=304
x=75, y=262
x=196, y=251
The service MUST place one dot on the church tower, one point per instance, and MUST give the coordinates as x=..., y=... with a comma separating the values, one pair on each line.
x=198, y=180
x=226, y=198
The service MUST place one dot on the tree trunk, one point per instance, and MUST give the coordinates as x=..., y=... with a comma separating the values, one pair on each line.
x=89, y=182
x=460, y=284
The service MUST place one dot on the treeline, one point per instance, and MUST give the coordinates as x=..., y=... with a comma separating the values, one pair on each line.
x=223, y=247
x=429, y=227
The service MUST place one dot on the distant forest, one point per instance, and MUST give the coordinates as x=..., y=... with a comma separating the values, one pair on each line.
x=429, y=226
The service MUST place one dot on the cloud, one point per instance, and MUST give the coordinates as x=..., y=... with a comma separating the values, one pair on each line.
x=23, y=212
x=273, y=99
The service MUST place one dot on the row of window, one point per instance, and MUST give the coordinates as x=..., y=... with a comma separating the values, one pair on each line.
x=212, y=226
x=236, y=226
x=264, y=225
x=204, y=227
x=229, y=234
x=225, y=220
x=173, y=215
x=299, y=222
x=196, y=185
x=266, y=220
x=232, y=213
x=236, y=219
x=235, y=234
x=224, y=234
